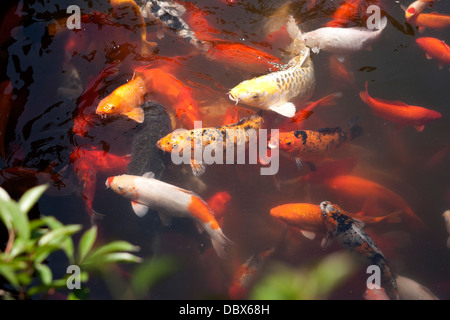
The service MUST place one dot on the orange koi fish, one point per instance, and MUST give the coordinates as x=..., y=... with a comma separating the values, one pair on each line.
x=344, y=14
x=230, y=116
x=362, y=189
x=350, y=234
x=308, y=218
x=295, y=123
x=430, y=20
x=219, y=203
x=170, y=201
x=339, y=72
x=243, y=57
x=309, y=145
x=87, y=163
x=196, y=19
x=245, y=274
x=399, y=112
x=436, y=49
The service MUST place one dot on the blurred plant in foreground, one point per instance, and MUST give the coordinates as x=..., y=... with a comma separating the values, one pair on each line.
x=23, y=260
x=317, y=282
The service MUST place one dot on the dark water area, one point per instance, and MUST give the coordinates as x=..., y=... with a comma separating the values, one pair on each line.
x=56, y=77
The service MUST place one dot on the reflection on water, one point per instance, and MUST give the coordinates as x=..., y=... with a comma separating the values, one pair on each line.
x=53, y=79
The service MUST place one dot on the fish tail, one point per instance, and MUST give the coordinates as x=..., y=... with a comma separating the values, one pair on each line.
x=364, y=95
x=221, y=244
x=389, y=279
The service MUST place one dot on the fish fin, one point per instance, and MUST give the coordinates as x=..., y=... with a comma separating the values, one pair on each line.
x=419, y=128
x=311, y=166
x=165, y=219
x=404, y=8
x=358, y=223
x=149, y=175
x=298, y=162
x=315, y=49
x=199, y=227
x=96, y=217
x=327, y=240
x=428, y=56
x=221, y=243
x=137, y=114
x=394, y=217
x=421, y=29
x=139, y=209
x=308, y=234
x=198, y=168
x=341, y=59
x=287, y=109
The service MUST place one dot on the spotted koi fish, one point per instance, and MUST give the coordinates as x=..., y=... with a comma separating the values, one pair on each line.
x=350, y=234
x=274, y=91
x=169, y=14
x=310, y=145
x=182, y=140
x=170, y=201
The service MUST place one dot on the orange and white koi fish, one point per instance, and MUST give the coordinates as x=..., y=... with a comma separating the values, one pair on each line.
x=275, y=90
x=170, y=201
x=357, y=188
x=350, y=234
x=125, y=100
x=435, y=49
x=245, y=274
x=307, y=218
x=417, y=7
x=180, y=141
x=436, y=21
x=310, y=145
x=400, y=112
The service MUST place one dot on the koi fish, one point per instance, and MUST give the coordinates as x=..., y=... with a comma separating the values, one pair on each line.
x=339, y=72
x=446, y=216
x=87, y=163
x=344, y=14
x=436, y=49
x=125, y=100
x=275, y=90
x=243, y=57
x=358, y=188
x=350, y=234
x=245, y=274
x=409, y=289
x=399, y=112
x=307, y=218
x=295, y=123
x=430, y=20
x=169, y=14
x=170, y=201
x=209, y=137
x=416, y=8
x=196, y=19
x=342, y=40
x=219, y=203
x=309, y=145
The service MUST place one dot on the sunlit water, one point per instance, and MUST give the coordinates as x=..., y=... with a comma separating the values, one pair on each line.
x=39, y=132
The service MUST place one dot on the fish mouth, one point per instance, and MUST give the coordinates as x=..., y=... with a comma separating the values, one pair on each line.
x=233, y=97
x=108, y=182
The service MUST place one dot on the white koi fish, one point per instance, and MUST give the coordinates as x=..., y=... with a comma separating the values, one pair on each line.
x=342, y=40
x=170, y=201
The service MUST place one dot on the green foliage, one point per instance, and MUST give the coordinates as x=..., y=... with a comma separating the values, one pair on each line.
x=30, y=243
x=317, y=282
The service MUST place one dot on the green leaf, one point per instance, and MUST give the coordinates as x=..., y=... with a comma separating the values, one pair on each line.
x=20, y=222
x=42, y=252
x=111, y=258
x=67, y=246
x=86, y=243
x=45, y=274
x=78, y=294
x=4, y=196
x=30, y=197
x=8, y=273
x=150, y=272
x=54, y=236
x=114, y=247
x=6, y=216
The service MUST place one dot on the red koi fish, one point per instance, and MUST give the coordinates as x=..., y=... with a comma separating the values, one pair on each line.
x=198, y=22
x=344, y=14
x=399, y=112
x=339, y=72
x=361, y=189
x=295, y=123
x=243, y=57
x=87, y=162
x=230, y=116
x=219, y=203
x=435, y=49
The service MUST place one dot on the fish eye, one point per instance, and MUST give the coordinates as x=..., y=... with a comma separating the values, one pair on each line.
x=288, y=143
x=120, y=188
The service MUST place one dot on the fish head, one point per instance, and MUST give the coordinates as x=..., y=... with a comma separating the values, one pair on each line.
x=110, y=105
x=311, y=40
x=255, y=92
x=175, y=141
x=330, y=214
x=285, y=142
x=282, y=213
x=410, y=12
x=123, y=185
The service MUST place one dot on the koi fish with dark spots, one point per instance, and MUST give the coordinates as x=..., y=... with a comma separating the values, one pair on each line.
x=349, y=233
x=170, y=201
x=310, y=145
x=239, y=134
